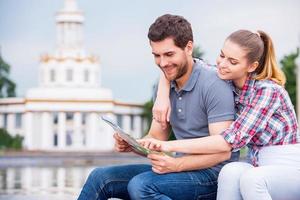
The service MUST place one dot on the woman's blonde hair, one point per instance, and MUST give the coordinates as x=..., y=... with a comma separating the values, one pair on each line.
x=259, y=47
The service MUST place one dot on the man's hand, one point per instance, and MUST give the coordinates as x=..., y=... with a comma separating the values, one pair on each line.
x=121, y=145
x=154, y=144
x=163, y=164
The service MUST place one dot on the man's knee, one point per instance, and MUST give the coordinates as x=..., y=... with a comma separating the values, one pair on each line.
x=139, y=187
x=94, y=176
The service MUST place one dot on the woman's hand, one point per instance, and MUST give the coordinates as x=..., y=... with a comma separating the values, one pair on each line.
x=161, y=111
x=163, y=164
x=154, y=144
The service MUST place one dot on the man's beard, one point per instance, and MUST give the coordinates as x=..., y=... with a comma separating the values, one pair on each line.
x=180, y=73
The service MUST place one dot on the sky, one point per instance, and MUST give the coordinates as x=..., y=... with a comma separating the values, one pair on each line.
x=116, y=32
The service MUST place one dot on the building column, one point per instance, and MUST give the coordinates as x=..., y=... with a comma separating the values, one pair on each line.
x=45, y=176
x=78, y=138
x=27, y=178
x=61, y=179
x=47, y=138
x=61, y=130
x=28, y=130
x=2, y=120
x=106, y=134
x=91, y=130
x=11, y=117
x=126, y=124
x=10, y=178
x=138, y=133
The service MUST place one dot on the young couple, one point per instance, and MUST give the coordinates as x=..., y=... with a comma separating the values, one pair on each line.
x=199, y=106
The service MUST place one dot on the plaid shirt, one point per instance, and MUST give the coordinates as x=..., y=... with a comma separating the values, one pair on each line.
x=265, y=116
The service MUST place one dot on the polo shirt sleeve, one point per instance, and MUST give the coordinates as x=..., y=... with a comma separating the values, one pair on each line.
x=219, y=102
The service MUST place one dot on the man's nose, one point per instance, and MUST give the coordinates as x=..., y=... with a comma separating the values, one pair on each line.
x=163, y=62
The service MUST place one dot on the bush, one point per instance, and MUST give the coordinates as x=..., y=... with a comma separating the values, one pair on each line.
x=9, y=142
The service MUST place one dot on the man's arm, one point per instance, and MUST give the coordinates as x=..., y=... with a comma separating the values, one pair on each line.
x=165, y=164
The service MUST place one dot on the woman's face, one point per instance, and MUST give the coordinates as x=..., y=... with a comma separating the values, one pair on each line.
x=232, y=63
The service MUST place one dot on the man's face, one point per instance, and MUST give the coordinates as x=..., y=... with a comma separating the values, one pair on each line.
x=171, y=59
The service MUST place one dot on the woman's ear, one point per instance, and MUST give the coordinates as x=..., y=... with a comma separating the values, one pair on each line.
x=253, y=67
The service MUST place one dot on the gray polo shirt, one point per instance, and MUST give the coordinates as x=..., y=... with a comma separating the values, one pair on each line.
x=204, y=99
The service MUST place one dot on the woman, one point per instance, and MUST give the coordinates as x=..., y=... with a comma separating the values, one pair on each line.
x=266, y=123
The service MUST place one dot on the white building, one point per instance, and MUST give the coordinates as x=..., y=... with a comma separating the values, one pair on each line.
x=62, y=113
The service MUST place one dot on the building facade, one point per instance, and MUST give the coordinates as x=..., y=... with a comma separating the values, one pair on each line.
x=63, y=112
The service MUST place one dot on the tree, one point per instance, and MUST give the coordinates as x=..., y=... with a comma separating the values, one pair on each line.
x=197, y=52
x=147, y=113
x=9, y=142
x=7, y=86
x=289, y=67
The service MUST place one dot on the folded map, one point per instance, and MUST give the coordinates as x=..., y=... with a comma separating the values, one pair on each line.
x=130, y=140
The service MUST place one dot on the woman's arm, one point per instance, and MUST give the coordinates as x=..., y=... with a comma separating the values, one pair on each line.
x=214, y=143
x=162, y=108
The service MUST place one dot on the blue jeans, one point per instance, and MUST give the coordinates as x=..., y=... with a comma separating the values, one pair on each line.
x=140, y=182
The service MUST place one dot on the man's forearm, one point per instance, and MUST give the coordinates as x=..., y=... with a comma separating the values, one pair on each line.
x=195, y=162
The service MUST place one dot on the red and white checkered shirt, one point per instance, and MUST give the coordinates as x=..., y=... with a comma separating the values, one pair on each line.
x=265, y=116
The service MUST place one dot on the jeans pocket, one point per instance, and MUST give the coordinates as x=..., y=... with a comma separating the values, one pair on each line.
x=210, y=196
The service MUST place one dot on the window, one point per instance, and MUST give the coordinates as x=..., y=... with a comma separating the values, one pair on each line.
x=5, y=120
x=55, y=139
x=131, y=122
x=69, y=75
x=52, y=75
x=69, y=116
x=83, y=119
x=86, y=76
x=55, y=118
x=18, y=120
x=120, y=121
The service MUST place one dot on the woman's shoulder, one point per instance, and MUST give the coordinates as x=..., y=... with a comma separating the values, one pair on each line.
x=268, y=85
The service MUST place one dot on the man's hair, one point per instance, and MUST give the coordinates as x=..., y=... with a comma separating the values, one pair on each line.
x=172, y=26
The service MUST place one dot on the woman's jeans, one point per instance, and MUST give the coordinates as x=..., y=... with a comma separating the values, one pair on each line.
x=276, y=178
x=140, y=182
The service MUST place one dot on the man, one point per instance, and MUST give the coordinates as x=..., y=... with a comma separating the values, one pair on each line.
x=202, y=104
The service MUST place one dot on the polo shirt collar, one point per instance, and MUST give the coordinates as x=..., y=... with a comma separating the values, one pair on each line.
x=190, y=84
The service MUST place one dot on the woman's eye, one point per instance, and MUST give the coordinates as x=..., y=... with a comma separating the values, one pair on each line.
x=222, y=56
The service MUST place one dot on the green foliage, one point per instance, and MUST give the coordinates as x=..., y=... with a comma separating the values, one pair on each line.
x=7, y=86
x=147, y=113
x=197, y=52
x=289, y=68
x=9, y=142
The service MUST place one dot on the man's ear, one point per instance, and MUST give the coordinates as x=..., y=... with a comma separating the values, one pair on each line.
x=253, y=67
x=189, y=47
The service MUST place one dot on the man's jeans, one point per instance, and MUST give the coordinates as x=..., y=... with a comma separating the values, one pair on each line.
x=140, y=182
